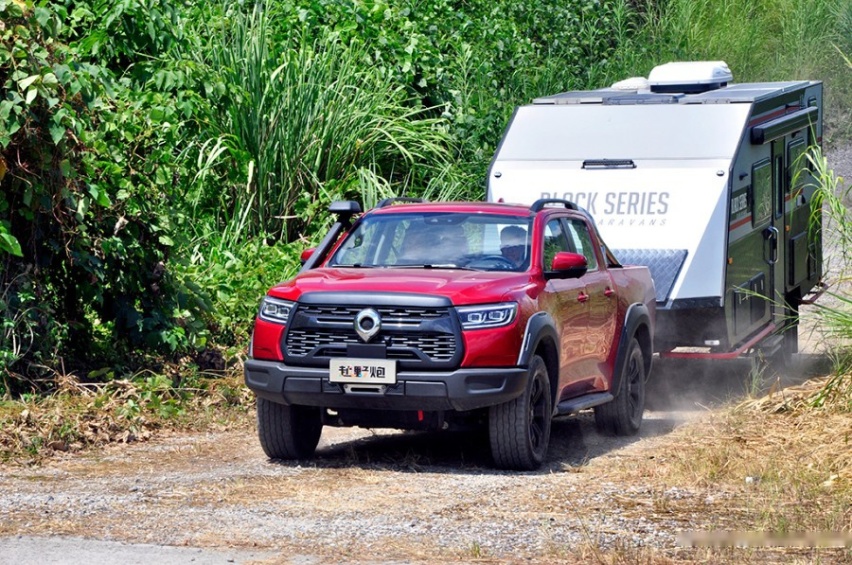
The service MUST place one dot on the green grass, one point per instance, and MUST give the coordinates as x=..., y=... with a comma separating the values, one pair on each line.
x=310, y=120
x=834, y=310
x=765, y=40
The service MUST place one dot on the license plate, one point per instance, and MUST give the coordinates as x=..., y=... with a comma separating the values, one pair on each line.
x=362, y=371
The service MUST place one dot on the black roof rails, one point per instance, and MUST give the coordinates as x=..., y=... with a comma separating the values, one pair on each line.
x=399, y=200
x=539, y=204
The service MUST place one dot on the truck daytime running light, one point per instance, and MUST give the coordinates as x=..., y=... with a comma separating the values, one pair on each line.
x=490, y=316
x=275, y=310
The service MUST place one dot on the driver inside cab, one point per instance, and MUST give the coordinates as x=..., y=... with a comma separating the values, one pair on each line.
x=513, y=244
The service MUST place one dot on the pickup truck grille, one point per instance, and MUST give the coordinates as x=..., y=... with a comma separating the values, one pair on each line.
x=419, y=337
x=332, y=344
x=390, y=316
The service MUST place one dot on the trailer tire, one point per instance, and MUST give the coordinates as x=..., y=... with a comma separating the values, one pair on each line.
x=288, y=432
x=623, y=414
x=519, y=430
x=781, y=361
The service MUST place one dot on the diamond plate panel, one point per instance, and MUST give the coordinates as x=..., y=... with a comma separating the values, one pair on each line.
x=664, y=264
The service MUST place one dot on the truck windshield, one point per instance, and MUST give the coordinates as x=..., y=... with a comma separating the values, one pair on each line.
x=456, y=240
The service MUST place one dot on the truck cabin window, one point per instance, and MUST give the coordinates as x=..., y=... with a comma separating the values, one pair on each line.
x=461, y=240
x=579, y=233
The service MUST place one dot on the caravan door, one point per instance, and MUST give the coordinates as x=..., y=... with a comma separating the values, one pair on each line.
x=776, y=252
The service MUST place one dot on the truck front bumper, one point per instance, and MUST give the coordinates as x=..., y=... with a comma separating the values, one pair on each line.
x=462, y=389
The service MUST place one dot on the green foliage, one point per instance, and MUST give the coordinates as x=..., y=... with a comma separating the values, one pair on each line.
x=126, y=36
x=236, y=279
x=834, y=310
x=86, y=225
x=155, y=394
x=743, y=33
x=479, y=60
x=304, y=117
x=18, y=324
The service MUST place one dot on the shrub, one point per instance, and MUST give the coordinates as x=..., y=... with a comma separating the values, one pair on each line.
x=86, y=225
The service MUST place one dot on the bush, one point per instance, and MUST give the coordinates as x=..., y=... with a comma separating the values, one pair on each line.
x=302, y=118
x=235, y=279
x=86, y=223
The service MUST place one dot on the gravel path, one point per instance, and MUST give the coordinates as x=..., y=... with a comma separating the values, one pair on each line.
x=374, y=496
x=368, y=497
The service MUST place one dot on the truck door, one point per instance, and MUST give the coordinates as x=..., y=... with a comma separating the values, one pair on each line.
x=567, y=302
x=602, y=299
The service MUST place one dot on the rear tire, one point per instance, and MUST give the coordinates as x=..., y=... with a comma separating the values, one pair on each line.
x=519, y=430
x=622, y=416
x=288, y=432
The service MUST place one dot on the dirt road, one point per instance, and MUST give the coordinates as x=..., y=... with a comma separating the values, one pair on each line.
x=367, y=497
x=384, y=496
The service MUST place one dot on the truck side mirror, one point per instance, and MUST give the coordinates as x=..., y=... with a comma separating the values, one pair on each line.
x=568, y=265
x=306, y=254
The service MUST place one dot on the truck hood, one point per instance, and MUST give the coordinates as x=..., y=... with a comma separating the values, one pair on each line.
x=460, y=286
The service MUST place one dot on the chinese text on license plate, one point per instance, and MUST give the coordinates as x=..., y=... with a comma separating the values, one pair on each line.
x=362, y=371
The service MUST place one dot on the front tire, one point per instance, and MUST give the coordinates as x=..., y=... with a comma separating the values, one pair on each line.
x=288, y=432
x=519, y=430
x=622, y=416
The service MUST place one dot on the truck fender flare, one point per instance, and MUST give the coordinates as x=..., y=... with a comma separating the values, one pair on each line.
x=636, y=317
x=539, y=326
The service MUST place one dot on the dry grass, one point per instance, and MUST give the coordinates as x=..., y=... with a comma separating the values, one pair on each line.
x=79, y=415
x=775, y=464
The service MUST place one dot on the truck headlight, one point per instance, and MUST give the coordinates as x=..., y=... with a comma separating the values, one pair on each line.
x=486, y=316
x=275, y=310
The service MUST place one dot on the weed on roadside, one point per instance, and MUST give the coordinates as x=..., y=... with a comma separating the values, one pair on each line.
x=85, y=415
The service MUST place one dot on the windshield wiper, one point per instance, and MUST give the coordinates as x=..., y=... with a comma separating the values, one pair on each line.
x=431, y=266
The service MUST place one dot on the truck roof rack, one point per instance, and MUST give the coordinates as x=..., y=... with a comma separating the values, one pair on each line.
x=541, y=203
x=399, y=200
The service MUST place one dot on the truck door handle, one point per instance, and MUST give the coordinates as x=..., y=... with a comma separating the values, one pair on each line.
x=582, y=297
x=609, y=292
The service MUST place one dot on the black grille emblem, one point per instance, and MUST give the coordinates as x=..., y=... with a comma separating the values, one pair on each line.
x=367, y=324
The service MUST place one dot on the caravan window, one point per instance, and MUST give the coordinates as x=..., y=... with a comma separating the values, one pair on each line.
x=798, y=164
x=761, y=193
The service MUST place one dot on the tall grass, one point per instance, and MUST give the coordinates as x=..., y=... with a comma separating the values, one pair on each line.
x=767, y=40
x=834, y=310
x=310, y=118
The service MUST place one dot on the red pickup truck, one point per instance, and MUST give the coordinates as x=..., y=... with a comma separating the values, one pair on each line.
x=435, y=315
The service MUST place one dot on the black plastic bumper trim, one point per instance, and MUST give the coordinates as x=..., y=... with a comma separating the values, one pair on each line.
x=462, y=389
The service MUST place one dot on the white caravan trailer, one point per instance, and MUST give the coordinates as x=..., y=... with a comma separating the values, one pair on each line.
x=696, y=178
